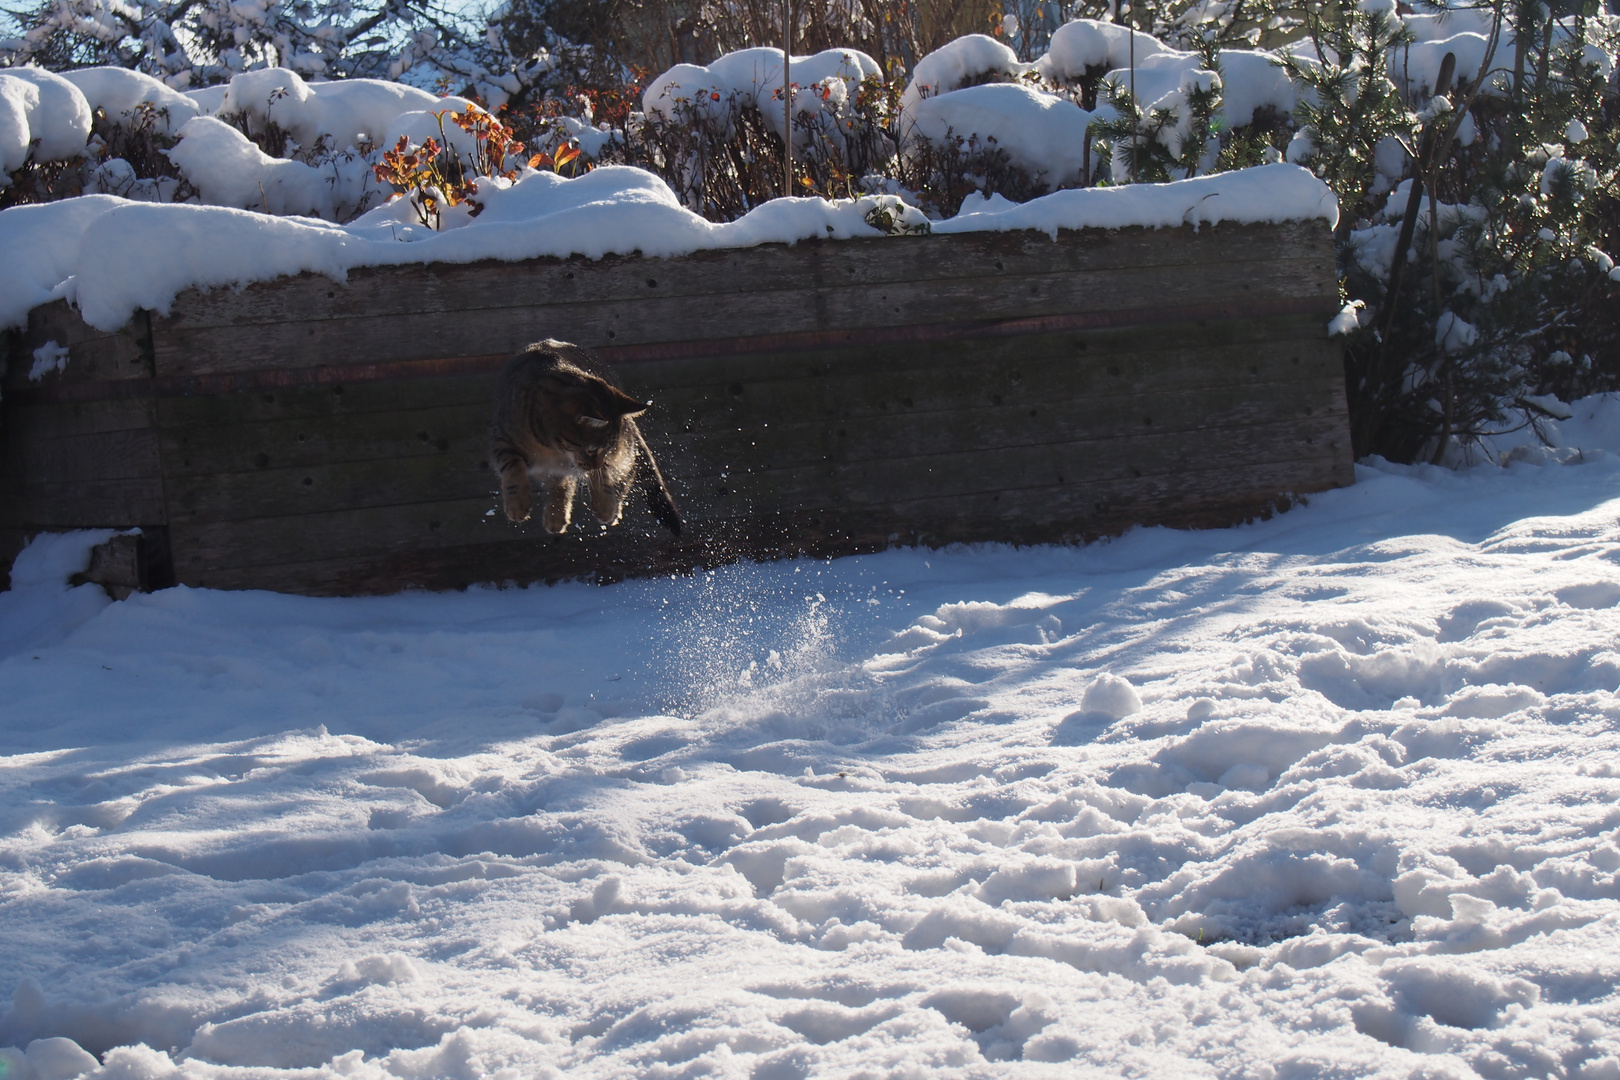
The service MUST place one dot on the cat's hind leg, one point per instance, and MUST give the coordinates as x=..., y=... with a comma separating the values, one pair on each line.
x=515, y=496
x=559, y=504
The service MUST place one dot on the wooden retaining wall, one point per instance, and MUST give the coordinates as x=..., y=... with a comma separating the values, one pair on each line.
x=315, y=437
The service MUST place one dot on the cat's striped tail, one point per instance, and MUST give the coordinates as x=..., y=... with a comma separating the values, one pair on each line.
x=659, y=500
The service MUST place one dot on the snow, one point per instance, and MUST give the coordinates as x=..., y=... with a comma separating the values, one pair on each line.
x=958, y=62
x=1265, y=193
x=753, y=77
x=1332, y=794
x=48, y=357
x=1043, y=134
x=40, y=246
x=42, y=116
x=118, y=92
x=115, y=257
x=1249, y=80
x=345, y=112
x=1082, y=45
x=227, y=169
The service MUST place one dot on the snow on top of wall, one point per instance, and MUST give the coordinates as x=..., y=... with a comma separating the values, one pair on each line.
x=1043, y=134
x=119, y=91
x=957, y=62
x=114, y=257
x=42, y=115
x=1266, y=193
x=18, y=101
x=39, y=251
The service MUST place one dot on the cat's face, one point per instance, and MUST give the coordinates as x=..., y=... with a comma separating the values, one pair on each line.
x=595, y=416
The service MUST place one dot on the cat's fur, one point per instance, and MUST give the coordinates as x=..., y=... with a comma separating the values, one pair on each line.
x=561, y=415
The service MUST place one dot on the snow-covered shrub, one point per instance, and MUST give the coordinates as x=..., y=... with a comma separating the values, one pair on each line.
x=44, y=127
x=1477, y=221
x=443, y=174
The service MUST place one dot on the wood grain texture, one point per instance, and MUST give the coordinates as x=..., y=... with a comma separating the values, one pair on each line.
x=250, y=431
x=83, y=504
x=1075, y=485
x=711, y=275
x=187, y=350
x=1201, y=499
x=80, y=465
x=273, y=468
x=93, y=355
x=452, y=458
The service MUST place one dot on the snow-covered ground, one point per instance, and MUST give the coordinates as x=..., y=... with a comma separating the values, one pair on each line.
x=1336, y=794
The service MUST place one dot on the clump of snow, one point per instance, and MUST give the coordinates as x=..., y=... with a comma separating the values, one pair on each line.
x=753, y=77
x=1542, y=430
x=208, y=99
x=1111, y=696
x=228, y=169
x=1348, y=318
x=1081, y=46
x=958, y=62
x=1454, y=334
x=346, y=112
x=119, y=92
x=1043, y=134
x=1249, y=81
x=41, y=607
x=556, y=831
x=48, y=357
x=42, y=116
x=1265, y=193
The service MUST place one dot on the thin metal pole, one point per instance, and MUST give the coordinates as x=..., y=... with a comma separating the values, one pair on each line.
x=1135, y=105
x=787, y=97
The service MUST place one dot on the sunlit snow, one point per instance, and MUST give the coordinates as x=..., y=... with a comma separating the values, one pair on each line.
x=1334, y=794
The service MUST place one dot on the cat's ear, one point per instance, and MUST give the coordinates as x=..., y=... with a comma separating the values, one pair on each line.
x=618, y=403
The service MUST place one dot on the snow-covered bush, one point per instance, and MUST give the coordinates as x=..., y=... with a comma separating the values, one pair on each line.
x=1479, y=210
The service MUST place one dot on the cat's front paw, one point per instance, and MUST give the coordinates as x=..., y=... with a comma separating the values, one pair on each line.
x=517, y=503
x=554, y=523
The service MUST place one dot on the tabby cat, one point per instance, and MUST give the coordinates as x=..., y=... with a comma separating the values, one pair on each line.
x=562, y=415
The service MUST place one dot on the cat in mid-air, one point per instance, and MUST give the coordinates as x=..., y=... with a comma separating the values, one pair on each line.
x=561, y=415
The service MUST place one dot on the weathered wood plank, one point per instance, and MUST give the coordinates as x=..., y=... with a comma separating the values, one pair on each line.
x=870, y=492
x=93, y=355
x=929, y=429
x=65, y=420
x=896, y=389
x=1030, y=515
x=451, y=288
x=111, y=455
x=456, y=464
x=184, y=350
x=84, y=504
x=1143, y=359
